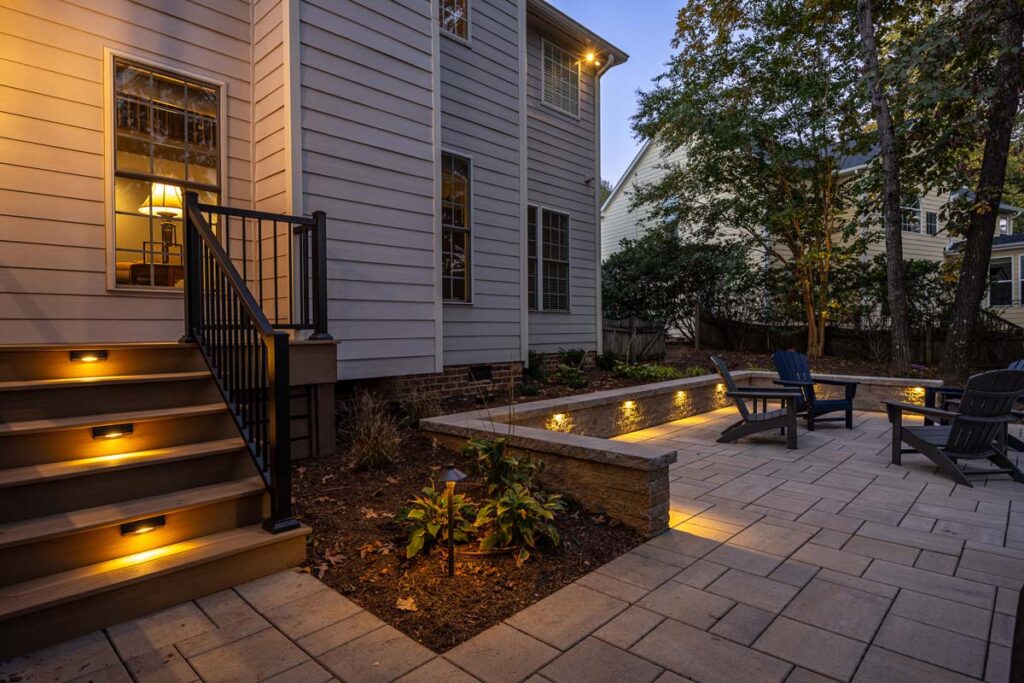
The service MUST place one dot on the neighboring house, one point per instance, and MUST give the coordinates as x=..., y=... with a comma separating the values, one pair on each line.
x=409, y=188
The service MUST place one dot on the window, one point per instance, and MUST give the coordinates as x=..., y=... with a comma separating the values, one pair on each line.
x=910, y=214
x=931, y=220
x=455, y=228
x=166, y=141
x=1000, y=274
x=551, y=261
x=1004, y=226
x=561, y=79
x=455, y=17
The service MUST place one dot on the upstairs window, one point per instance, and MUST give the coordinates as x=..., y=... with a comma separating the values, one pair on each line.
x=931, y=220
x=454, y=17
x=455, y=228
x=1004, y=226
x=561, y=79
x=1000, y=272
x=910, y=215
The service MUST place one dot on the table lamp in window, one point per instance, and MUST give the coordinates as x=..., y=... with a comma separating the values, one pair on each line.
x=164, y=201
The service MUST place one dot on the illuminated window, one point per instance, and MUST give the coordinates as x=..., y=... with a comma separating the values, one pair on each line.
x=561, y=79
x=455, y=228
x=166, y=141
x=455, y=17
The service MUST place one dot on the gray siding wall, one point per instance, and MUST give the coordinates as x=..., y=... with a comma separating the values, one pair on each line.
x=560, y=160
x=270, y=115
x=368, y=161
x=480, y=119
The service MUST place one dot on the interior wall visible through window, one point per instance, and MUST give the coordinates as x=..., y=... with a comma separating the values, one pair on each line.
x=454, y=17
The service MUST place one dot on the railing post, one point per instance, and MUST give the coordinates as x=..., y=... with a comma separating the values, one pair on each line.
x=320, y=277
x=191, y=256
x=279, y=434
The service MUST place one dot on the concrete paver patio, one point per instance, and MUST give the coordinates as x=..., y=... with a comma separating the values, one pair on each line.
x=823, y=563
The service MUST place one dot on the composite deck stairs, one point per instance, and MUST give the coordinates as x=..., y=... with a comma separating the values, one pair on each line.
x=98, y=529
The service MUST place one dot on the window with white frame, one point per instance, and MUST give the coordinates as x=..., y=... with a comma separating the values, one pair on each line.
x=166, y=141
x=456, y=226
x=1000, y=272
x=1004, y=226
x=547, y=269
x=910, y=215
x=931, y=221
x=561, y=79
x=454, y=17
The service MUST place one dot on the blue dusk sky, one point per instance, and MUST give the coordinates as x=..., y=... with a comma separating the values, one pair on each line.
x=644, y=30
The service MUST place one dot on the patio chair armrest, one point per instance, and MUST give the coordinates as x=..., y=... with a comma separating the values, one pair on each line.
x=849, y=387
x=793, y=383
x=778, y=394
x=896, y=407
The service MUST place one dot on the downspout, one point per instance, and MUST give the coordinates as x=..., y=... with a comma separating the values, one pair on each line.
x=599, y=308
x=524, y=296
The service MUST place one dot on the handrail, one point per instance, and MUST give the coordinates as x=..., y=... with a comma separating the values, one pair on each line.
x=246, y=355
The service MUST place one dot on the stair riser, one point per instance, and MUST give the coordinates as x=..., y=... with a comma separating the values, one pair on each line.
x=52, y=555
x=38, y=629
x=119, y=485
x=38, y=404
x=56, y=363
x=70, y=444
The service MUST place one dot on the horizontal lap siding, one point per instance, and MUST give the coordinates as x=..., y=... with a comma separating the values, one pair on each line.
x=561, y=157
x=920, y=245
x=52, y=213
x=269, y=107
x=480, y=119
x=367, y=159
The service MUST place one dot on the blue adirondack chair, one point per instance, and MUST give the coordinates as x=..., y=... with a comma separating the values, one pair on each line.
x=795, y=371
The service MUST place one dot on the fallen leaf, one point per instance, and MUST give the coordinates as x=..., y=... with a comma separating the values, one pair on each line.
x=406, y=604
x=369, y=514
x=326, y=478
x=333, y=559
x=391, y=480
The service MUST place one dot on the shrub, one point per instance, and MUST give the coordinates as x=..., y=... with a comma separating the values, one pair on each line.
x=535, y=368
x=572, y=376
x=606, y=361
x=375, y=433
x=420, y=407
x=647, y=372
x=518, y=518
x=426, y=520
x=573, y=357
x=528, y=389
x=500, y=468
x=695, y=371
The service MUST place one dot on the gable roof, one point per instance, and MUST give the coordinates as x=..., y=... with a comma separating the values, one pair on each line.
x=550, y=14
x=628, y=172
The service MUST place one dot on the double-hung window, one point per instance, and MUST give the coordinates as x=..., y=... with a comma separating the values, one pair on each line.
x=547, y=259
x=456, y=224
x=454, y=17
x=931, y=220
x=1000, y=271
x=910, y=215
x=166, y=141
x=561, y=76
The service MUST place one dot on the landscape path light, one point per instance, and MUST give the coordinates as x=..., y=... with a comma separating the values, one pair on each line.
x=451, y=477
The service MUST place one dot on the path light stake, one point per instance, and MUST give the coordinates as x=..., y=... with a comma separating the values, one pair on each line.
x=450, y=477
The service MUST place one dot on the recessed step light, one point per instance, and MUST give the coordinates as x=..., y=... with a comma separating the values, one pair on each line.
x=141, y=526
x=112, y=431
x=88, y=355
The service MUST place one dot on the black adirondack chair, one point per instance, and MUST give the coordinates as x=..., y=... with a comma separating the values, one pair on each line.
x=753, y=422
x=974, y=432
x=794, y=371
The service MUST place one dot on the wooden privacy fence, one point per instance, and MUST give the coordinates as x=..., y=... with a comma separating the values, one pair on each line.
x=634, y=339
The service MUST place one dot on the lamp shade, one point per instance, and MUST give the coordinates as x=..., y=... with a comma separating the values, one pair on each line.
x=452, y=475
x=163, y=200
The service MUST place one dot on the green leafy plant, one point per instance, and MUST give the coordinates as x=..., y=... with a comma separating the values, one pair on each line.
x=695, y=371
x=518, y=518
x=573, y=357
x=536, y=369
x=528, y=389
x=426, y=520
x=606, y=361
x=500, y=468
x=647, y=372
x=572, y=376
x=374, y=431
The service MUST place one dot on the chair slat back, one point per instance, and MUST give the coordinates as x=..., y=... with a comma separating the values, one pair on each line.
x=1016, y=365
x=987, y=397
x=730, y=384
x=793, y=366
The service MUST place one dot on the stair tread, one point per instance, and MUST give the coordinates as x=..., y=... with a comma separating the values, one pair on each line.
x=56, y=589
x=97, y=345
x=31, y=474
x=32, y=426
x=101, y=380
x=37, y=528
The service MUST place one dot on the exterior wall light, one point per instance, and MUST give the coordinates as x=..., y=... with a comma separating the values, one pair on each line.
x=450, y=478
x=559, y=422
x=143, y=526
x=112, y=431
x=88, y=355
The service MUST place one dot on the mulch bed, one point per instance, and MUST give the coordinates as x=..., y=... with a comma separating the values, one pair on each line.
x=359, y=549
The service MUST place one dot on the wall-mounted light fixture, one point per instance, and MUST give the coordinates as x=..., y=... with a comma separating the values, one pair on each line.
x=88, y=355
x=141, y=526
x=112, y=431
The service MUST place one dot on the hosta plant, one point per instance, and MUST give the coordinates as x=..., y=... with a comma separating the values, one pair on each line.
x=426, y=520
x=499, y=467
x=518, y=518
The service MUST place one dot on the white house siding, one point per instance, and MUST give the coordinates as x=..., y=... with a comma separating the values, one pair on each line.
x=368, y=162
x=920, y=245
x=560, y=161
x=53, y=281
x=480, y=120
x=270, y=107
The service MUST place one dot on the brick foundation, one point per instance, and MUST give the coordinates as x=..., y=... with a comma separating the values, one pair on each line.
x=455, y=380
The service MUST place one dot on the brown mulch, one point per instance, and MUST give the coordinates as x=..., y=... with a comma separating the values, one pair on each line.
x=359, y=549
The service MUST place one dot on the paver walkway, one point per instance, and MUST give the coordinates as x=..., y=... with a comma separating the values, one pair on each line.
x=808, y=565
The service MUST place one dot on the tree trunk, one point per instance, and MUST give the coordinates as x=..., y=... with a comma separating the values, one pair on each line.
x=989, y=193
x=899, y=318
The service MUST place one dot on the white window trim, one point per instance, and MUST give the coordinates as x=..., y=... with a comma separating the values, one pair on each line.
x=539, y=210
x=906, y=208
x=1013, y=278
x=925, y=214
x=579, y=81
x=468, y=40
x=471, y=280
x=109, y=54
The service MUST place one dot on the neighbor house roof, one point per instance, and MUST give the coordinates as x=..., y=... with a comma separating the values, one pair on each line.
x=628, y=172
x=562, y=21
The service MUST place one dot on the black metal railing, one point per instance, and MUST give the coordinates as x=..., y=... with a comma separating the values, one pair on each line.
x=283, y=261
x=247, y=356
